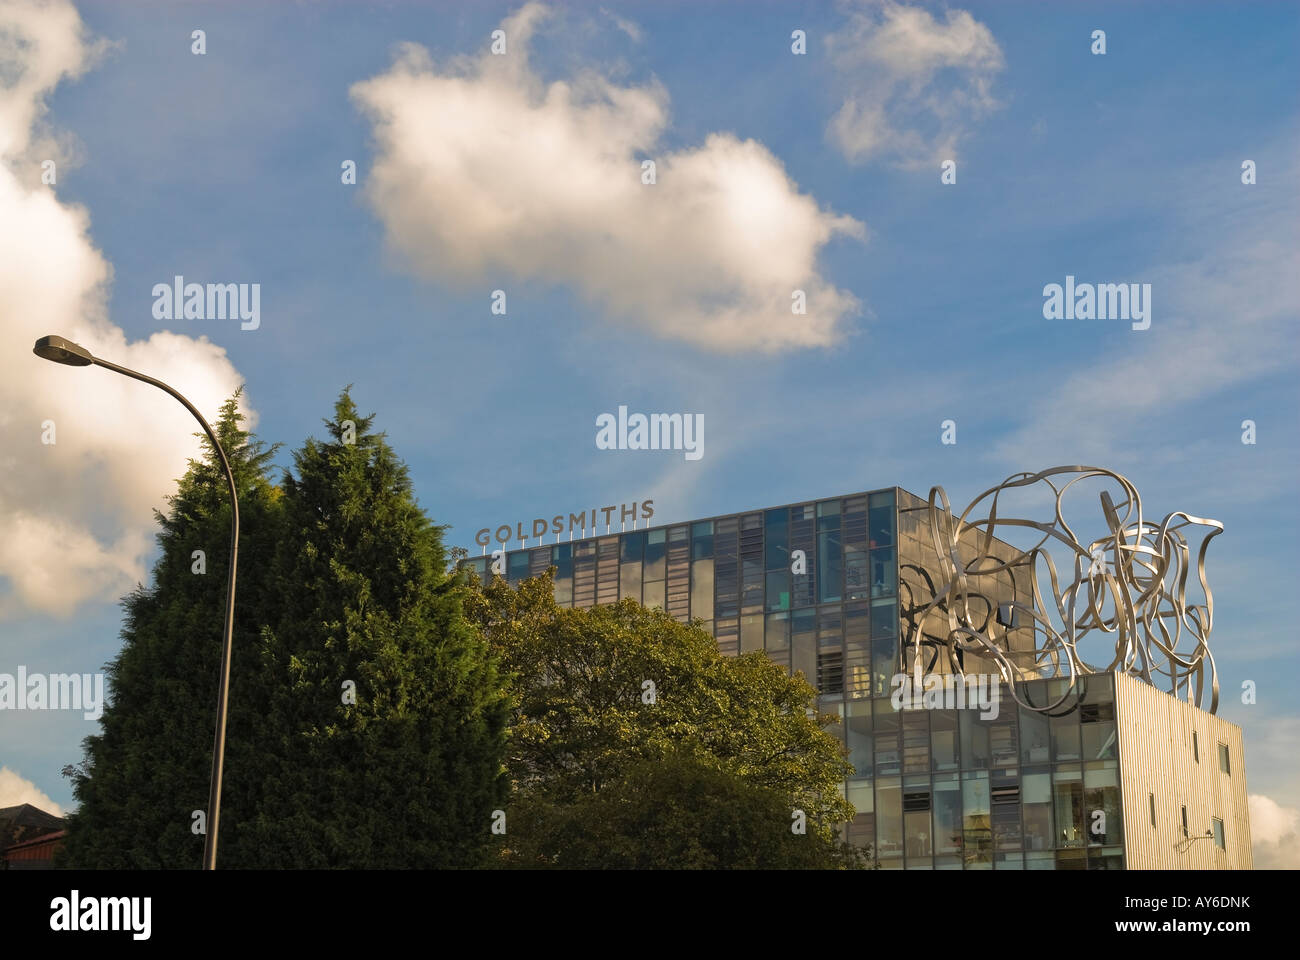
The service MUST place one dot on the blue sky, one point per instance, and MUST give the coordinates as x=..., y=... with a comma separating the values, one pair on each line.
x=1124, y=167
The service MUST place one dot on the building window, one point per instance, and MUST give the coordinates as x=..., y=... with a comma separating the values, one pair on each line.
x=517, y=566
x=776, y=539
x=1067, y=789
x=1218, y=833
x=830, y=562
x=656, y=552
x=977, y=830
x=702, y=540
x=881, y=520
x=1184, y=821
x=1196, y=748
x=1224, y=765
x=1036, y=792
x=1101, y=793
x=1152, y=798
x=947, y=816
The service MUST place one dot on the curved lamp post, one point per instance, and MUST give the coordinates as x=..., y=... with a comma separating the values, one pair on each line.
x=62, y=350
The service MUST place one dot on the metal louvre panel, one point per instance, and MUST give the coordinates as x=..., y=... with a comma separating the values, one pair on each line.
x=607, y=570
x=751, y=563
x=726, y=568
x=584, y=573
x=679, y=573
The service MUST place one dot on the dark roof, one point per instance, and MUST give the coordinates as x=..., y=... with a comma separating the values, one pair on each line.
x=24, y=822
x=43, y=838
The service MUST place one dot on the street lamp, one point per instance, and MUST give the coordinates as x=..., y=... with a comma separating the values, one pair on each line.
x=62, y=350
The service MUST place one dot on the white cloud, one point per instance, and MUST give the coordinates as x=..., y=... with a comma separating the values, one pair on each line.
x=914, y=84
x=1275, y=834
x=15, y=791
x=629, y=27
x=75, y=516
x=484, y=174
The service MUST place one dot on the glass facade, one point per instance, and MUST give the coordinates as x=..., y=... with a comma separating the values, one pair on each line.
x=816, y=586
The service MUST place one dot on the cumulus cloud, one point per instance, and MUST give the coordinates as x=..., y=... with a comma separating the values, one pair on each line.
x=15, y=791
x=1275, y=834
x=483, y=171
x=75, y=515
x=914, y=85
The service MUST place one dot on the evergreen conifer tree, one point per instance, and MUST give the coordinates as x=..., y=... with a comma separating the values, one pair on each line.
x=386, y=722
x=147, y=771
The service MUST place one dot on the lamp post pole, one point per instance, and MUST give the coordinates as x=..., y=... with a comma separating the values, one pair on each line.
x=61, y=350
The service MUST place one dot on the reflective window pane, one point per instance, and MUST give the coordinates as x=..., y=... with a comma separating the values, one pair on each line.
x=884, y=573
x=776, y=539
x=562, y=559
x=947, y=816
x=1101, y=796
x=1034, y=737
x=517, y=566
x=830, y=567
x=777, y=633
x=976, y=752
x=1099, y=741
x=943, y=739
x=1067, y=791
x=632, y=547
x=656, y=550
x=702, y=540
x=803, y=642
x=889, y=818
x=654, y=595
x=1065, y=737
x=702, y=589
x=977, y=830
x=857, y=728
x=629, y=580
x=881, y=520
x=778, y=590
x=1036, y=796
x=884, y=618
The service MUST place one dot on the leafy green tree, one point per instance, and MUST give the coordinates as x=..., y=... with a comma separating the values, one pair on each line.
x=677, y=812
x=149, y=768
x=386, y=726
x=601, y=691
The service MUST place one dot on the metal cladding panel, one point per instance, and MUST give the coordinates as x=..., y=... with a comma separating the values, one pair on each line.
x=1157, y=757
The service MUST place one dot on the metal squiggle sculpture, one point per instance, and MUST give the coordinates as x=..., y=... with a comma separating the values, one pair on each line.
x=1130, y=583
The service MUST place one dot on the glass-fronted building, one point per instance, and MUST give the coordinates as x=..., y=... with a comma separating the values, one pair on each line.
x=824, y=588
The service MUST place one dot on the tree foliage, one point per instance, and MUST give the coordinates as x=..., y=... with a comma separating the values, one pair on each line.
x=148, y=769
x=367, y=716
x=389, y=715
x=600, y=693
x=676, y=812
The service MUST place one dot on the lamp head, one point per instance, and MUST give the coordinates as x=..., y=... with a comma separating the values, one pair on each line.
x=62, y=350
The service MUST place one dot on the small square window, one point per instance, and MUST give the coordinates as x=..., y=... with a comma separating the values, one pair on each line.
x=1218, y=833
x=1224, y=764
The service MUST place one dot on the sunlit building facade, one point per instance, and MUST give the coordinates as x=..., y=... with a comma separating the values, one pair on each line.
x=823, y=588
